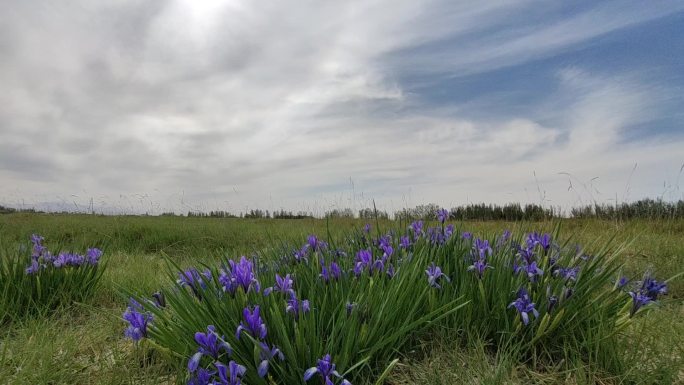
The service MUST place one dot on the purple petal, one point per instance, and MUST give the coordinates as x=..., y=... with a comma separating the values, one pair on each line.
x=194, y=362
x=309, y=373
x=262, y=370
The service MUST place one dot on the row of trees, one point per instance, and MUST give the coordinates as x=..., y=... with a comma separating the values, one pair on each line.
x=643, y=209
x=481, y=211
x=10, y=210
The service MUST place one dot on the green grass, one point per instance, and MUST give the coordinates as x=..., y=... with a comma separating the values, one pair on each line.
x=83, y=344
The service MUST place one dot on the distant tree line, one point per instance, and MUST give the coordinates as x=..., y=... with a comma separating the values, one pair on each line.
x=210, y=214
x=10, y=210
x=642, y=209
x=282, y=214
x=507, y=212
x=369, y=213
x=478, y=211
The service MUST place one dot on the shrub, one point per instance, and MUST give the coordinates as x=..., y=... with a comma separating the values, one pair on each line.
x=287, y=315
x=45, y=281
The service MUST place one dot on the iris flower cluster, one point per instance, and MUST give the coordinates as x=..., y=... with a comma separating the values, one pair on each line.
x=41, y=258
x=332, y=272
x=526, y=257
x=312, y=245
x=377, y=256
x=224, y=375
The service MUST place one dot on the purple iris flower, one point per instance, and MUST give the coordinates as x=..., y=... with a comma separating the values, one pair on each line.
x=638, y=300
x=202, y=377
x=378, y=265
x=302, y=254
x=335, y=271
x=388, y=251
x=479, y=266
x=240, y=274
x=434, y=273
x=417, y=228
x=243, y=273
x=137, y=321
x=93, y=256
x=268, y=354
x=404, y=242
x=364, y=259
x=283, y=285
x=194, y=280
x=325, y=274
x=367, y=228
x=467, y=235
x=569, y=273
x=482, y=248
x=33, y=268
x=296, y=306
x=68, y=259
x=545, y=241
x=253, y=324
x=48, y=258
x=390, y=271
x=436, y=236
x=449, y=230
x=326, y=368
x=648, y=292
x=500, y=241
x=527, y=254
x=534, y=239
x=524, y=306
x=231, y=374
x=533, y=271
x=384, y=241
x=316, y=244
x=38, y=248
x=653, y=288
x=210, y=344
x=442, y=215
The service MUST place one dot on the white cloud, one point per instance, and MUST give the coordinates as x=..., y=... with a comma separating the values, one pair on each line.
x=282, y=104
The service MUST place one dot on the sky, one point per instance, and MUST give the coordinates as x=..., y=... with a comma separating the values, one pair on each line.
x=155, y=106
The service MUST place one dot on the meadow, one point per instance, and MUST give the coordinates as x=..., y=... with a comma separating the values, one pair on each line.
x=83, y=342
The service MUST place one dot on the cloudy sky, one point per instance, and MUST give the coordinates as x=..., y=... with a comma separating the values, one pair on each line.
x=310, y=105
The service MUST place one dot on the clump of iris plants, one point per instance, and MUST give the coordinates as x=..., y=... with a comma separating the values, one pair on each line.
x=46, y=280
x=362, y=300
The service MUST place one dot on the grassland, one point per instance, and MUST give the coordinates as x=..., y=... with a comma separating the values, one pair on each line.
x=83, y=344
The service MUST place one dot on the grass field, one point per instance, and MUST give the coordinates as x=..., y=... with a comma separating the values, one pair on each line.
x=84, y=344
